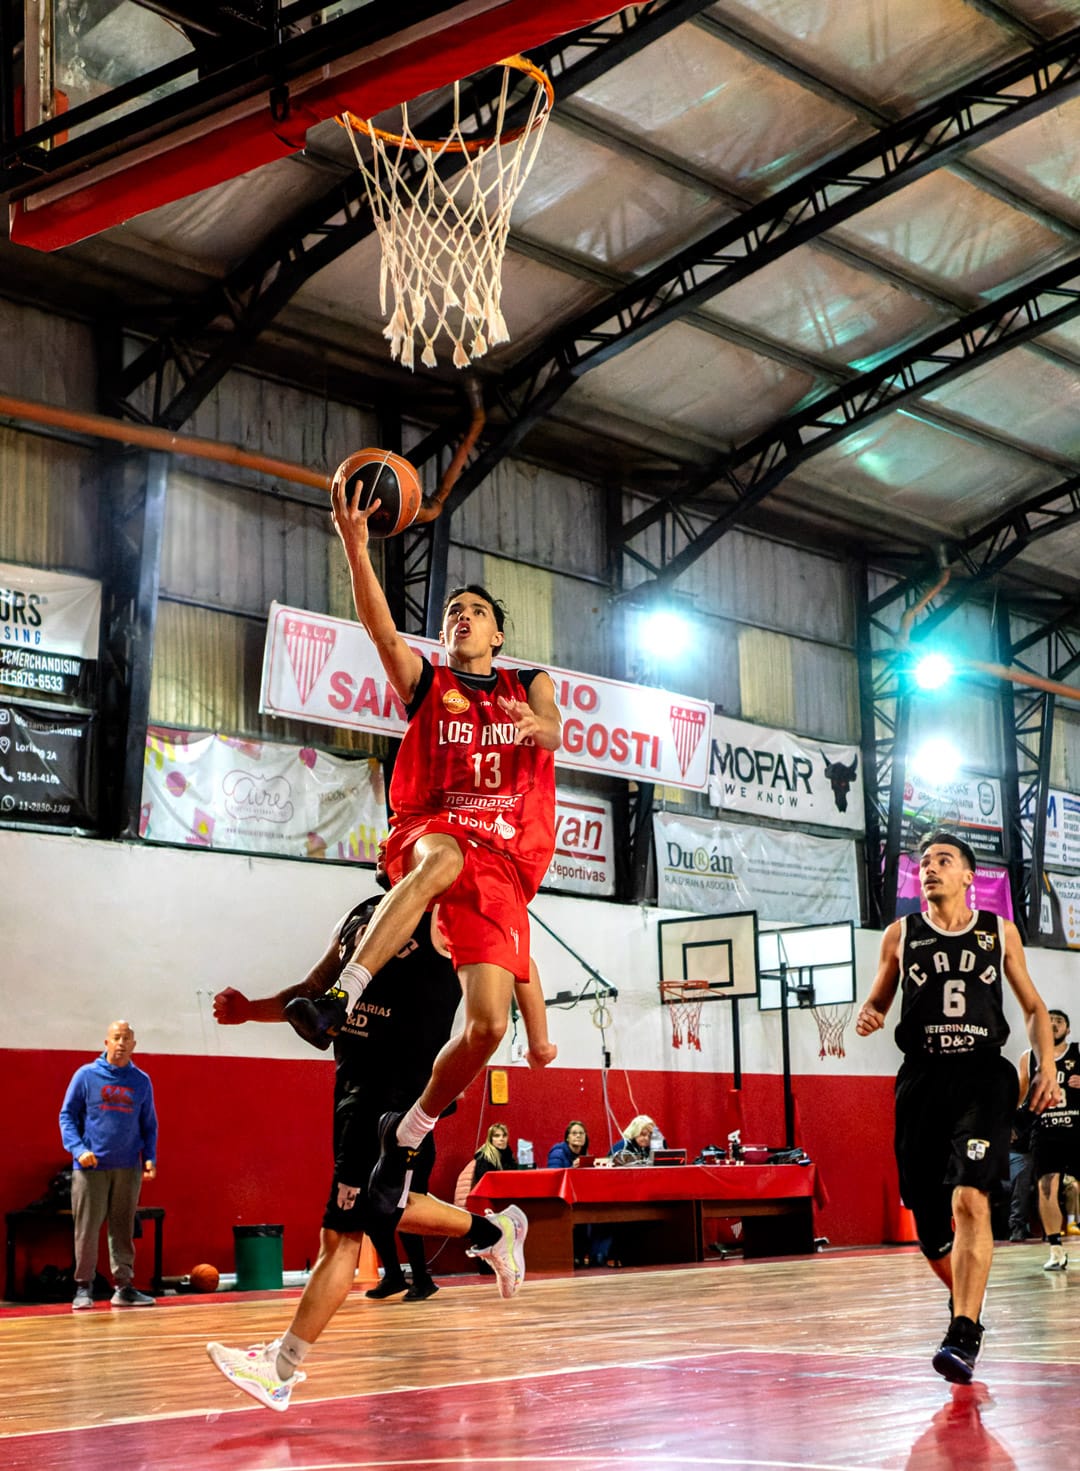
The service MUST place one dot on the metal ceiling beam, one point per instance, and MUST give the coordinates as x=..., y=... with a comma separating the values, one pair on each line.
x=237, y=310
x=860, y=176
x=757, y=467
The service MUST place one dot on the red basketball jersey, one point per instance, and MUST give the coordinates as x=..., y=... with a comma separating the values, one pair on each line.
x=459, y=765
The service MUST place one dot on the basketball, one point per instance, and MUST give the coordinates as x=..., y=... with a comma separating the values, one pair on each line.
x=205, y=1278
x=387, y=478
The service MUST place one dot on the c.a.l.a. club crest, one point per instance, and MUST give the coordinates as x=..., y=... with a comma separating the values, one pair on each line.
x=309, y=645
x=687, y=726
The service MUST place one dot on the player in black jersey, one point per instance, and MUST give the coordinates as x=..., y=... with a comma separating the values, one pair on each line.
x=383, y=1053
x=1056, y=1135
x=955, y=1094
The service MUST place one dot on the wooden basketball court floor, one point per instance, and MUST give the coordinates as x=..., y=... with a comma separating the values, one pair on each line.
x=820, y=1362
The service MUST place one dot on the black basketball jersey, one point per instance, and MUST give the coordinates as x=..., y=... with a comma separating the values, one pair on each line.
x=1067, y=1115
x=951, y=987
x=397, y=1028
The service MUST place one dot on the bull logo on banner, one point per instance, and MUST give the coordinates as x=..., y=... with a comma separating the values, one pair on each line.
x=688, y=726
x=309, y=646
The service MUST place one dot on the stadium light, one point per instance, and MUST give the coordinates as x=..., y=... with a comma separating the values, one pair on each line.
x=933, y=671
x=937, y=761
x=663, y=631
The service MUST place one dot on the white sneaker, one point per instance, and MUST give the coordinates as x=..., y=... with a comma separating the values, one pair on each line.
x=507, y=1255
x=254, y=1370
x=1058, y=1261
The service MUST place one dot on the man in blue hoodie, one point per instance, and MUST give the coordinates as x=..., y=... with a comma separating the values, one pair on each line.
x=109, y=1127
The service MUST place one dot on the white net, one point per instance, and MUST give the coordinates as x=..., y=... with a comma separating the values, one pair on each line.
x=443, y=227
x=831, y=1021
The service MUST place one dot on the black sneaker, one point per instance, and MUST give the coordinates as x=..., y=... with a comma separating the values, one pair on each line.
x=388, y=1287
x=955, y=1359
x=389, y=1181
x=422, y=1287
x=318, y=1021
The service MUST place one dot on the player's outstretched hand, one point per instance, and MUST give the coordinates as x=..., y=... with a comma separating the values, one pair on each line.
x=351, y=523
x=539, y=1056
x=231, y=1008
x=869, y=1020
x=527, y=722
x=1045, y=1093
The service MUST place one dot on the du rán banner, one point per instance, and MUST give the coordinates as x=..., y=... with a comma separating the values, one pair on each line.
x=326, y=670
x=50, y=626
x=753, y=768
x=45, y=767
x=724, y=867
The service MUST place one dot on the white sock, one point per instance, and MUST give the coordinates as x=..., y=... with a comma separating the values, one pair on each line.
x=415, y=1127
x=354, y=981
x=292, y=1352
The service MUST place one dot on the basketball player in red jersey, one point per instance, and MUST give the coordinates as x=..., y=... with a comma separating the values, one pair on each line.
x=955, y=1093
x=473, y=826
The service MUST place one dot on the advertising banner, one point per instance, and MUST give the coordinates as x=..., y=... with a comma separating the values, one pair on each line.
x=721, y=868
x=50, y=626
x=1059, y=911
x=209, y=791
x=989, y=891
x=45, y=765
x=326, y=670
x=1062, y=846
x=753, y=768
x=584, y=859
x=969, y=806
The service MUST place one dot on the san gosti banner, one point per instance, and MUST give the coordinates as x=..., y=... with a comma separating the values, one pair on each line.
x=326, y=670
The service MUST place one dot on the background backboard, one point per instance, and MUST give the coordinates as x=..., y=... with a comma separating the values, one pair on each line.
x=719, y=951
x=819, y=959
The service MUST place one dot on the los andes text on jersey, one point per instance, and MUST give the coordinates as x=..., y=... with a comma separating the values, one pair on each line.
x=463, y=733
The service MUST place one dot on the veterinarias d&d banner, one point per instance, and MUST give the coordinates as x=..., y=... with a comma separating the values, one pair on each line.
x=771, y=773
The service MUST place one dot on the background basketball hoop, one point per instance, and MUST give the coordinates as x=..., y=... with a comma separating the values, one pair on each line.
x=684, y=1000
x=831, y=1021
x=443, y=227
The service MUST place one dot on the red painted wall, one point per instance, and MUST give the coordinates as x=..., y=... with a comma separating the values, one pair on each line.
x=245, y=1141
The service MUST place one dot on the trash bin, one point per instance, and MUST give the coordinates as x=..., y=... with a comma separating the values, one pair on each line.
x=258, y=1252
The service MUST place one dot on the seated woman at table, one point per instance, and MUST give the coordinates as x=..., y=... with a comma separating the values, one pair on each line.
x=495, y=1153
x=574, y=1143
x=635, y=1146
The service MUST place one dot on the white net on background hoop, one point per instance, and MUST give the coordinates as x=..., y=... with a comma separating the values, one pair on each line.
x=831, y=1021
x=443, y=239
x=684, y=1001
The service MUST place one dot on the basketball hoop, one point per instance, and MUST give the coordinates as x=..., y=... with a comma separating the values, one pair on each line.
x=831, y=1021
x=684, y=999
x=443, y=239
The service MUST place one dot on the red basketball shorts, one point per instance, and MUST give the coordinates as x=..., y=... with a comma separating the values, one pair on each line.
x=484, y=913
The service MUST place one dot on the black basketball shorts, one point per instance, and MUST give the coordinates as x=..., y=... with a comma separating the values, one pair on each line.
x=1055, y=1145
x=953, y=1124
x=356, y=1152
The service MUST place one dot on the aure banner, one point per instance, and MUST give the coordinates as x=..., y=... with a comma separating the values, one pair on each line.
x=754, y=768
x=326, y=670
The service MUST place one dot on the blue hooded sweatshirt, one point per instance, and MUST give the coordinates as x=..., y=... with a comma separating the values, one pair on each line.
x=110, y=1111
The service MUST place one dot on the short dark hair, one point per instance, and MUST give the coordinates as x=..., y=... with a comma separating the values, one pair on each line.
x=1057, y=1011
x=577, y=1124
x=954, y=842
x=479, y=592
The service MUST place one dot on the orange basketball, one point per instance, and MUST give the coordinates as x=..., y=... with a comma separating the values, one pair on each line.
x=379, y=475
x=205, y=1278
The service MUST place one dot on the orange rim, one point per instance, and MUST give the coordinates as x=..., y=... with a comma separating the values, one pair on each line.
x=474, y=145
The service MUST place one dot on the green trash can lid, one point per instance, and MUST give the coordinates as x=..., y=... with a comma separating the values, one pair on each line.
x=243, y=1231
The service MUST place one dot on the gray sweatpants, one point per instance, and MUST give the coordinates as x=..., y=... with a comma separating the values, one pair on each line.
x=98, y=1196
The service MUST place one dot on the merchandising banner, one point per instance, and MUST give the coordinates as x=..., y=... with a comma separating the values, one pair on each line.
x=326, y=670
x=772, y=773
x=209, y=791
x=970, y=807
x=50, y=627
x=45, y=767
x=722, y=867
x=584, y=859
x=1062, y=844
x=989, y=891
x=1059, y=911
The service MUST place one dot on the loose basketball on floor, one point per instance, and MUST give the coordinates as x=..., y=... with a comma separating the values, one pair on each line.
x=205, y=1278
x=379, y=475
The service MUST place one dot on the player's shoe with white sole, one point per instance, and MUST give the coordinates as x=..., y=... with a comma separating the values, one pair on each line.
x=507, y=1255
x=254, y=1370
x=1058, y=1260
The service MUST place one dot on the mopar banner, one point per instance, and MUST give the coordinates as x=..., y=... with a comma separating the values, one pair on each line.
x=45, y=765
x=208, y=791
x=49, y=631
x=584, y=859
x=1062, y=846
x=721, y=868
x=753, y=768
x=1059, y=910
x=326, y=670
x=989, y=891
x=969, y=806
